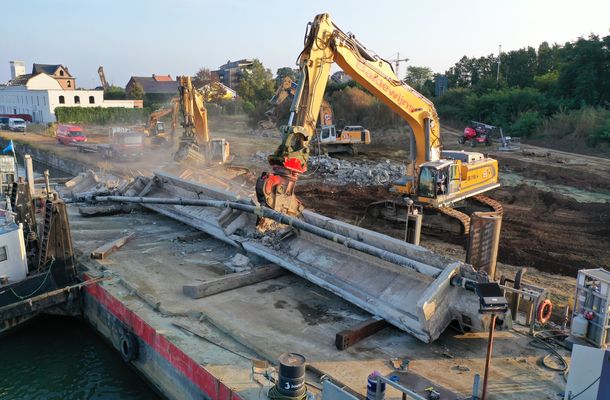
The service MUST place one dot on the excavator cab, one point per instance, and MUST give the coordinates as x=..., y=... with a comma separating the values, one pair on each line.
x=328, y=134
x=438, y=179
x=159, y=128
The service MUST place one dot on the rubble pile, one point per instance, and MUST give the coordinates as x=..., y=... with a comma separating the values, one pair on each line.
x=361, y=172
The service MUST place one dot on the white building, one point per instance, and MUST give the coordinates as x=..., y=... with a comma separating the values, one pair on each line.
x=48, y=87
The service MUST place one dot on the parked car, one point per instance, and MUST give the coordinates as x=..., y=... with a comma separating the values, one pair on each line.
x=16, y=124
x=68, y=134
x=3, y=122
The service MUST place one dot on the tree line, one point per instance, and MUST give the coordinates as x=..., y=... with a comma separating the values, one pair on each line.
x=557, y=90
x=554, y=90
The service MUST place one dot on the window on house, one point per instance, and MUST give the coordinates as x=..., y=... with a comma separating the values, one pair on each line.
x=44, y=101
x=3, y=254
x=62, y=100
x=69, y=84
x=61, y=72
x=76, y=99
x=91, y=100
x=37, y=100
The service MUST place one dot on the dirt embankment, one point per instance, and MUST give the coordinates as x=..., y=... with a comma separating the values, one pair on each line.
x=540, y=229
x=553, y=232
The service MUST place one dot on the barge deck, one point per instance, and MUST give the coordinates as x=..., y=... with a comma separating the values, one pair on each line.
x=202, y=348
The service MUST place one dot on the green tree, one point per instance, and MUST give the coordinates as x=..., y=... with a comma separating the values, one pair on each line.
x=135, y=91
x=114, y=93
x=293, y=73
x=203, y=77
x=256, y=83
x=418, y=76
x=518, y=67
x=548, y=58
x=583, y=76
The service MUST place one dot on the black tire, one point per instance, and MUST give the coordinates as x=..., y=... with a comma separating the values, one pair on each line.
x=128, y=347
x=487, y=142
x=461, y=140
x=473, y=143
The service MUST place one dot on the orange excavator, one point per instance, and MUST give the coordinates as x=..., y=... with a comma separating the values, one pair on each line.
x=435, y=179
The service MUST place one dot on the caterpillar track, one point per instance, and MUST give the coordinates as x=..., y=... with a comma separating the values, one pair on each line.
x=437, y=220
x=496, y=206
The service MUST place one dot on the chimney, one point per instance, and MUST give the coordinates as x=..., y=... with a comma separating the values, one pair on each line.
x=17, y=68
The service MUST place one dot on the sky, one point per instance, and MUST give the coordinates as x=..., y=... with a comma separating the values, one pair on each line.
x=177, y=37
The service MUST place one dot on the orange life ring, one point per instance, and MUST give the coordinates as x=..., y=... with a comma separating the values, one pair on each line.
x=544, y=311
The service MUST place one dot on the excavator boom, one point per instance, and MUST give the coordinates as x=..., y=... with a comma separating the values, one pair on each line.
x=196, y=142
x=448, y=177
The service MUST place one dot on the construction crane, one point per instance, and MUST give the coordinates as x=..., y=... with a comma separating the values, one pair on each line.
x=100, y=72
x=397, y=62
x=435, y=179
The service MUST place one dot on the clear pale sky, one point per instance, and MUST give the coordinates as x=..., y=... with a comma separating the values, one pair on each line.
x=133, y=37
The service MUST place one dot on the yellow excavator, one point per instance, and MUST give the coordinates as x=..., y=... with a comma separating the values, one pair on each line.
x=329, y=139
x=196, y=143
x=435, y=179
x=156, y=128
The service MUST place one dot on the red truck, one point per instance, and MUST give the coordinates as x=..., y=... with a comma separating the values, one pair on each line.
x=70, y=134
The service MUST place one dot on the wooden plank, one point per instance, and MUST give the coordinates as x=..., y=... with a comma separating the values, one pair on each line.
x=103, y=251
x=233, y=281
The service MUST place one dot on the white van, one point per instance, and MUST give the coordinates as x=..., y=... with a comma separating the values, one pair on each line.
x=16, y=124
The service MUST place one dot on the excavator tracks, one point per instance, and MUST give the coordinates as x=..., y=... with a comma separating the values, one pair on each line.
x=496, y=206
x=464, y=219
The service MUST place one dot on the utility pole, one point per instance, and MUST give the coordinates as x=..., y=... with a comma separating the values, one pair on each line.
x=499, y=61
x=397, y=62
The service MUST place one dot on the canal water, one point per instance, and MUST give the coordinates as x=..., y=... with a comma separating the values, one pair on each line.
x=60, y=358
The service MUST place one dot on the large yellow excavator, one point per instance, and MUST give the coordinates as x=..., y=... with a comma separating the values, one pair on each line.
x=436, y=179
x=196, y=143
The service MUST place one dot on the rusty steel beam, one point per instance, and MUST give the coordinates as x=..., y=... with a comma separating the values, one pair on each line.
x=351, y=336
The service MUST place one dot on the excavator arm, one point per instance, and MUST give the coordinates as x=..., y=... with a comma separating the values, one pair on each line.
x=325, y=44
x=196, y=142
x=155, y=116
x=194, y=113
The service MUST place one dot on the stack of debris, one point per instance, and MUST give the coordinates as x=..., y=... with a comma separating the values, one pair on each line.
x=361, y=173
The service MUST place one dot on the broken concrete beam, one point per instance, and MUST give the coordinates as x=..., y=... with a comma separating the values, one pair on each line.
x=102, y=211
x=103, y=251
x=351, y=336
x=233, y=281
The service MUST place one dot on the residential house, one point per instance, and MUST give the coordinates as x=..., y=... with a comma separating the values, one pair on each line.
x=157, y=85
x=47, y=87
x=230, y=73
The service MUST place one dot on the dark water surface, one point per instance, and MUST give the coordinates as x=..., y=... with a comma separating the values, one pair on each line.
x=58, y=358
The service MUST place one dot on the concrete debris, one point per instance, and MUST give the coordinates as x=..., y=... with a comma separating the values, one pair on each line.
x=239, y=263
x=361, y=172
x=89, y=184
x=102, y=211
x=260, y=155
